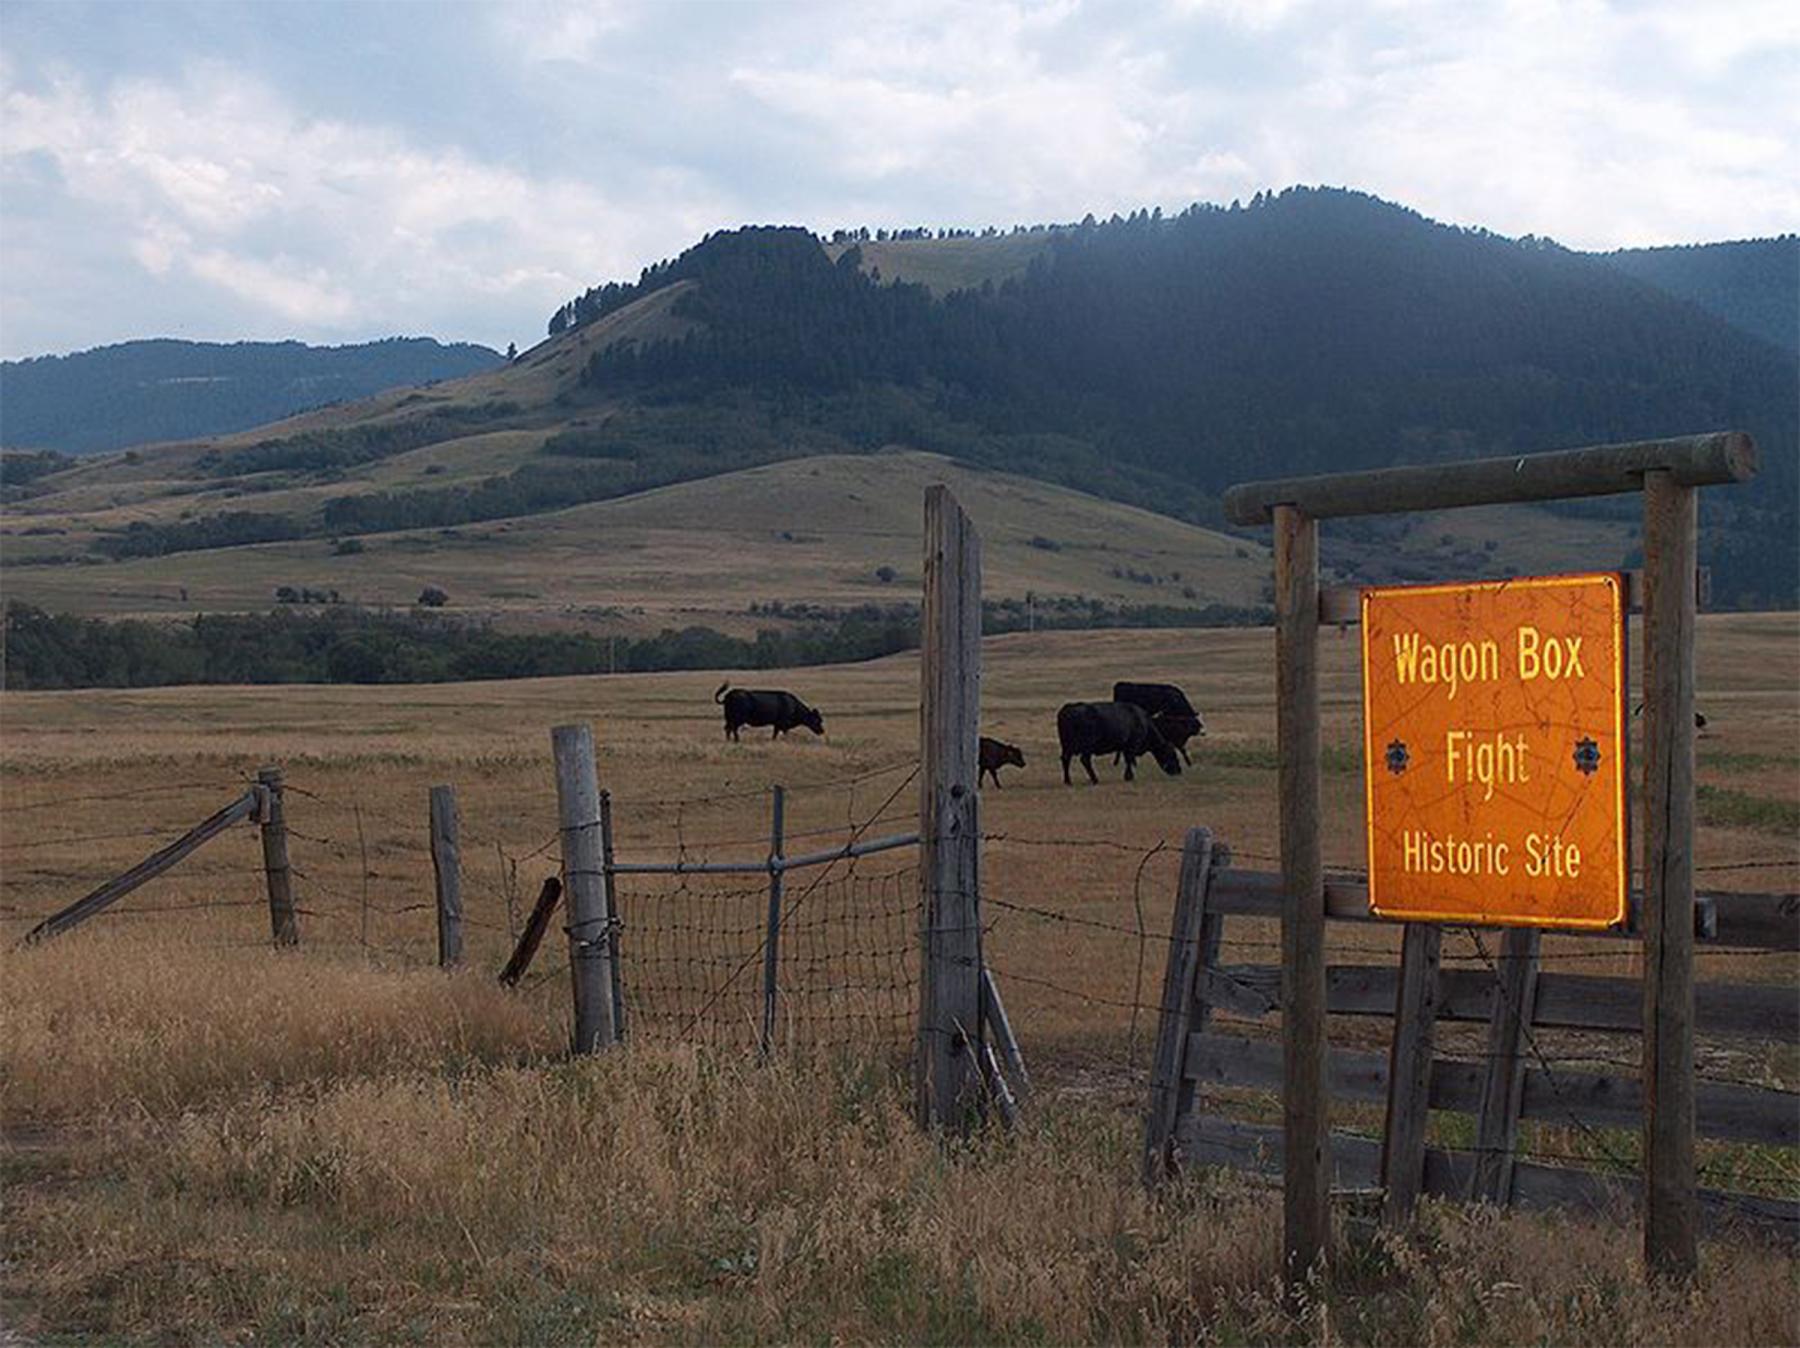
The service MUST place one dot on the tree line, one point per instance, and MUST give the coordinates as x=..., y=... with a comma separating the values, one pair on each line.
x=42, y=650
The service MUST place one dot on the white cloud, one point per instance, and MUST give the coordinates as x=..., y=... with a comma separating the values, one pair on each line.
x=324, y=226
x=466, y=179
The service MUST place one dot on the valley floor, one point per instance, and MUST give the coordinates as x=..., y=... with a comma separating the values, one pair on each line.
x=207, y=1141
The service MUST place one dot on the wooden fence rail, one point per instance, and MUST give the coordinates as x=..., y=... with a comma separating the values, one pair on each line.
x=1513, y=1082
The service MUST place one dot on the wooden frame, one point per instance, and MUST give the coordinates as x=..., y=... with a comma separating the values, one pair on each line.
x=1668, y=472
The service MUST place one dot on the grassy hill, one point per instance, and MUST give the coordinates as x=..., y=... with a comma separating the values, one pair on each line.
x=1149, y=361
x=814, y=531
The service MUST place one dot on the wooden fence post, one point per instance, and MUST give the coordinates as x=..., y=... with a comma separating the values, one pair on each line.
x=1503, y=1084
x=1671, y=1205
x=1409, y=1071
x=772, y=937
x=1194, y=932
x=948, y=1061
x=584, y=878
x=533, y=934
x=284, y=923
x=446, y=867
x=1306, y=1146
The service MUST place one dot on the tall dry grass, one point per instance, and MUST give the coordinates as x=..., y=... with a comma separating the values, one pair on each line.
x=666, y=1196
x=104, y=1022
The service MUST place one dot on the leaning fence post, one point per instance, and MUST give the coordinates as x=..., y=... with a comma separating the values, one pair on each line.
x=284, y=923
x=772, y=938
x=947, y=1067
x=1409, y=1071
x=1503, y=1086
x=590, y=924
x=446, y=867
x=1193, y=943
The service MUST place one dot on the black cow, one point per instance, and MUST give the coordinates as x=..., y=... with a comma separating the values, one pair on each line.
x=1089, y=728
x=783, y=711
x=996, y=754
x=1168, y=707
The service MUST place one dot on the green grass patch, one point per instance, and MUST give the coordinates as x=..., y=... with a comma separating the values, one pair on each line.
x=1722, y=807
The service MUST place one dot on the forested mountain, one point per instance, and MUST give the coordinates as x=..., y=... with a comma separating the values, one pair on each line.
x=1753, y=284
x=139, y=392
x=1152, y=360
x=1313, y=331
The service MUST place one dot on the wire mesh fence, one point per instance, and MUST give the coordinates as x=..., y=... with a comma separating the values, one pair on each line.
x=1075, y=932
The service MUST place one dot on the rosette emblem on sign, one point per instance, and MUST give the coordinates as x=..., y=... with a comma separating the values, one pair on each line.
x=1494, y=750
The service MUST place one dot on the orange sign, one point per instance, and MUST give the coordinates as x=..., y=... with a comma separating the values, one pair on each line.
x=1494, y=751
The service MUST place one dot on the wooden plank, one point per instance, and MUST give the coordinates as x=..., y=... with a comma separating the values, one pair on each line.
x=1671, y=1215
x=1306, y=1208
x=278, y=876
x=584, y=876
x=245, y=806
x=1409, y=1071
x=1503, y=1084
x=1766, y=1011
x=1576, y=1098
x=993, y=1012
x=446, y=869
x=535, y=927
x=1737, y=920
x=947, y=1064
x=1176, y=1010
x=1597, y=470
x=772, y=931
x=1257, y=1148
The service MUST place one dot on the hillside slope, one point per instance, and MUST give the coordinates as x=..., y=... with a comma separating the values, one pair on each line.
x=1152, y=361
x=138, y=392
x=1753, y=284
x=815, y=531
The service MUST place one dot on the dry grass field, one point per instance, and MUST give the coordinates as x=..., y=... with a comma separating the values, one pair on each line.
x=208, y=1141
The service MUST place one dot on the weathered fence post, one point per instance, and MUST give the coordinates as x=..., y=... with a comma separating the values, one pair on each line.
x=446, y=867
x=1306, y=1191
x=1194, y=941
x=616, y=910
x=1503, y=1084
x=584, y=879
x=284, y=923
x=948, y=1061
x=533, y=934
x=772, y=938
x=1409, y=1071
x=1671, y=1205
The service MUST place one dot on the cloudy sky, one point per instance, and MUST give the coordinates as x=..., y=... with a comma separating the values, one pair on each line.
x=336, y=172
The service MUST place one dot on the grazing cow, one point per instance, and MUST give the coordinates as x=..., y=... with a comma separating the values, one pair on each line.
x=783, y=711
x=996, y=754
x=1089, y=728
x=1168, y=707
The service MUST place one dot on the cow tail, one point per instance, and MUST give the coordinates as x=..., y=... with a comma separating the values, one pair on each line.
x=720, y=695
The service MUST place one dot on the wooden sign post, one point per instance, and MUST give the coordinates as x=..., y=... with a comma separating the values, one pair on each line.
x=1456, y=871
